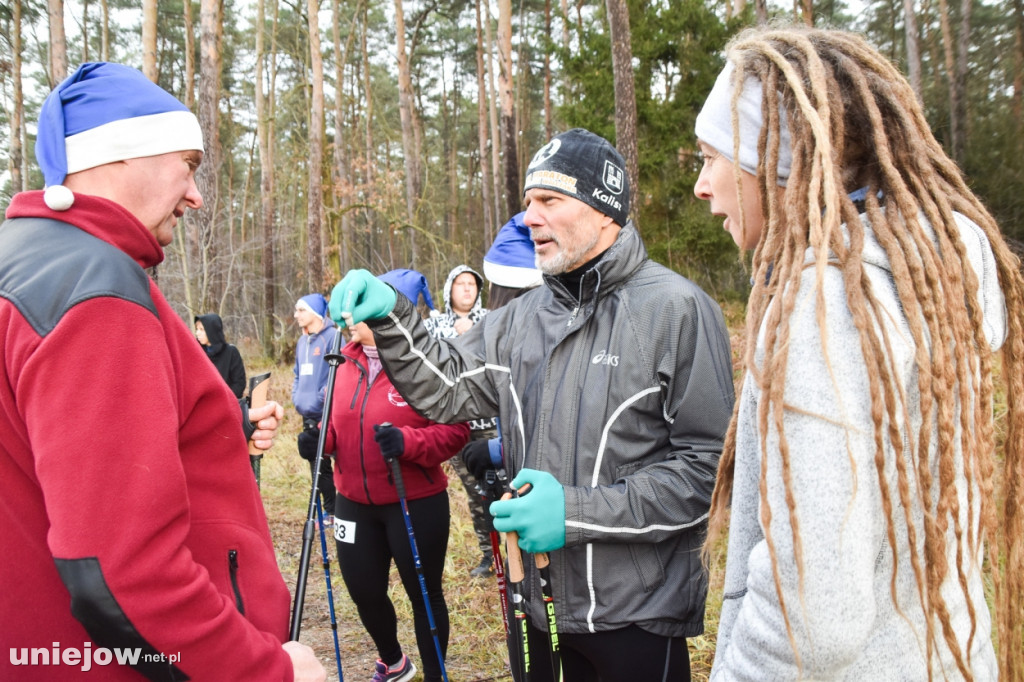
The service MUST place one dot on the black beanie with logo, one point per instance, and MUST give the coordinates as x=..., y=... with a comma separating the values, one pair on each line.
x=584, y=166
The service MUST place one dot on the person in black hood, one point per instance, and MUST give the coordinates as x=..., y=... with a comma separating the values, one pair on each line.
x=224, y=356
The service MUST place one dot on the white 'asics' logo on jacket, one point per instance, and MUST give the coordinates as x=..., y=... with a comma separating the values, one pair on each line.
x=604, y=358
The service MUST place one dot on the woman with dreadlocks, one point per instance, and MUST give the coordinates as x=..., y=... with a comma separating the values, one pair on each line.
x=861, y=460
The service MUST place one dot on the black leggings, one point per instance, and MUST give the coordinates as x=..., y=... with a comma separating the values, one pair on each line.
x=380, y=535
x=624, y=655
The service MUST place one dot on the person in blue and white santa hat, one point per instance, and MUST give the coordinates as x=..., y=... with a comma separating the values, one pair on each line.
x=82, y=126
x=509, y=265
x=152, y=537
x=413, y=284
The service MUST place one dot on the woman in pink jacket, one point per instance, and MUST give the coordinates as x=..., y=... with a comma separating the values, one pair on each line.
x=370, y=530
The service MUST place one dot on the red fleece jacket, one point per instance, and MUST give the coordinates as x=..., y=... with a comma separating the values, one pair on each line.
x=360, y=473
x=120, y=442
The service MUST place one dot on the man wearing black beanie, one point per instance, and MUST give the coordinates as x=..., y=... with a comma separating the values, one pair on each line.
x=579, y=184
x=613, y=383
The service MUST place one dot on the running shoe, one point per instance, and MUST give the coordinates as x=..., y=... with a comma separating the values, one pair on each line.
x=404, y=672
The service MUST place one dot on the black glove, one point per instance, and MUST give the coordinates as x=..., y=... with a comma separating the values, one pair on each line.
x=477, y=458
x=308, y=442
x=390, y=440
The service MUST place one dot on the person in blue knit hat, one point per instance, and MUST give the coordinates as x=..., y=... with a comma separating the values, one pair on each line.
x=411, y=283
x=309, y=387
x=142, y=530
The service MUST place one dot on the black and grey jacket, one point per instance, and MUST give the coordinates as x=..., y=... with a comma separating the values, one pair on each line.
x=625, y=398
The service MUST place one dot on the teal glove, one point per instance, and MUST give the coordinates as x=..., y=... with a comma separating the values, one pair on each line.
x=538, y=515
x=359, y=297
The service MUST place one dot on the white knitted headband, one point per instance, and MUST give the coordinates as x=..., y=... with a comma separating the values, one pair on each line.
x=714, y=123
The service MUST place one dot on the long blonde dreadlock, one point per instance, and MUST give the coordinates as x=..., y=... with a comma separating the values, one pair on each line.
x=855, y=122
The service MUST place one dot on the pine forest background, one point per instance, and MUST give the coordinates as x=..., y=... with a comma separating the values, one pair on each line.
x=376, y=134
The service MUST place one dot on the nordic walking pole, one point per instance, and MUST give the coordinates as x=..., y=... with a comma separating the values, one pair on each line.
x=333, y=359
x=396, y=473
x=516, y=574
x=499, y=573
x=258, y=387
x=543, y=563
x=499, y=565
x=327, y=580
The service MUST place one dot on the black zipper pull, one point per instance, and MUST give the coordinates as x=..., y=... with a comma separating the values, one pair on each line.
x=233, y=570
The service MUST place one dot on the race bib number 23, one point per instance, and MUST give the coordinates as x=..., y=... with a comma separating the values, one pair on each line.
x=344, y=531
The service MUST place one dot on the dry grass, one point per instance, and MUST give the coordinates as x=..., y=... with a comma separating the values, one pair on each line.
x=476, y=649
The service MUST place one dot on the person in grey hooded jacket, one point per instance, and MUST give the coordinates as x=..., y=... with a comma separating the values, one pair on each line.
x=860, y=467
x=462, y=304
x=463, y=309
x=613, y=383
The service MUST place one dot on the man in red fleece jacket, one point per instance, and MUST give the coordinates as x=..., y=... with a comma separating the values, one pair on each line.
x=135, y=543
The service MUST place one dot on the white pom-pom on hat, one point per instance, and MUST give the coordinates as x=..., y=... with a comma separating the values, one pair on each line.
x=58, y=197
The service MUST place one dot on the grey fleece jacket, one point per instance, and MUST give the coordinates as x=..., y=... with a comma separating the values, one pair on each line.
x=845, y=624
x=625, y=398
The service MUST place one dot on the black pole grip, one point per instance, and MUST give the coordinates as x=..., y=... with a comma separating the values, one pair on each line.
x=396, y=467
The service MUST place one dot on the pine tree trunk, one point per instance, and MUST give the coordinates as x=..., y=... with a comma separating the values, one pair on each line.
x=17, y=156
x=105, y=31
x=265, y=138
x=548, y=121
x=205, y=247
x=85, y=32
x=949, y=48
x=496, y=140
x=734, y=8
x=370, y=157
x=314, y=197
x=149, y=39
x=490, y=228
x=58, y=44
x=960, y=82
x=1018, y=67
x=625, y=95
x=405, y=107
x=190, y=64
x=513, y=189
x=913, y=50
x=342, y=178
x=565, y=25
